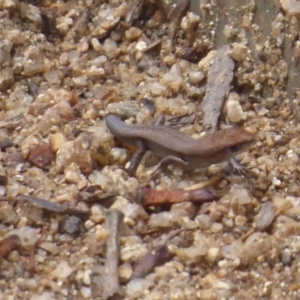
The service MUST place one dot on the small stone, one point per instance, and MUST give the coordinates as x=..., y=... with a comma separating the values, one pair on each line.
x=236, y=263
x=89, y=224
x=137, y=78
x=82, y=184
x=133, y=33
x=240, y=220
x=132, y=251
x=228, y=31
x=125, y=272
x=111, y=48
x=8, y=214
x=63, y=270
x=238, y=51
x=196, y=76
x=118, y=155
x=59, y=113
x=74, y=152
x=257, y=245
x=124, y=73
x=4, y=57
x=65, y=197
x=140, y=46
x=291, y=7
x=86, y=292
x=9, y=4
x=72, y=173
x=184, y=209
x=53, y=77
x=31, y=12
x=206, y=62
x=81, y=81
x=189, y=22
x=63, y=24
x=27, y=235
x=92, y=71
x=222, y=273
x=229, y=223
x=160, y=221
x=195, y=92
x=172, y=81
x=216, y=227
x=119, y=203
x=101, y=234
x=285, y=257
x=136, y=287
x=213, y=281
x=71, y=225
x=157, y=89
x=44, y=296
x=204, y=222
x=240, y=195
x=278, y=26
x=97, y=215
x=268, y=288
x=32, y=284
x=86, y=279
x=170, y=59
x=56, y=141
x=213, y=254
x=83, y=45
x=134, y=212
x=97, y=45
x=51, y=96
x=233, y=109
x=49, y=247
x=6, y=79
x=192, y=255
x=34, y=63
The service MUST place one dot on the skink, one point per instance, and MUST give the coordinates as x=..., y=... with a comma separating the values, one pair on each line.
x=176, y=147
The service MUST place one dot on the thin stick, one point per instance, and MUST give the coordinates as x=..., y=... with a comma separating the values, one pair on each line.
x=114, y=221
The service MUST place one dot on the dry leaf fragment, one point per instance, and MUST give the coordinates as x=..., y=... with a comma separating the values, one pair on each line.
x=151, y=197
x=9, y=244
x=41, y=155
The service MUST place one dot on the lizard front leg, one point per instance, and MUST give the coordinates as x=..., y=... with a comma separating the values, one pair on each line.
x=136, y=158
x=170, y=159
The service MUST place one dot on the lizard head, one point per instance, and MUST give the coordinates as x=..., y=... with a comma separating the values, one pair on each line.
x=228, y=143
x=238, y=140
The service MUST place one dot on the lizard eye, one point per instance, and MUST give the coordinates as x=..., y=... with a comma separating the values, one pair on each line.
x=234, y=148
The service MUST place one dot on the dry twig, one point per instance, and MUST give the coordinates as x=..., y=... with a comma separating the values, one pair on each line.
x=156, y=256
x=114, y=221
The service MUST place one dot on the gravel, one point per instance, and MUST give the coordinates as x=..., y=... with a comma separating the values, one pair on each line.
x=64, y=65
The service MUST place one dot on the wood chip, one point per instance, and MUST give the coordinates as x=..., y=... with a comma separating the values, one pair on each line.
x=219, y=79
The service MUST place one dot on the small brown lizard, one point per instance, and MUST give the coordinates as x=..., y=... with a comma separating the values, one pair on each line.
x=176, y=147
